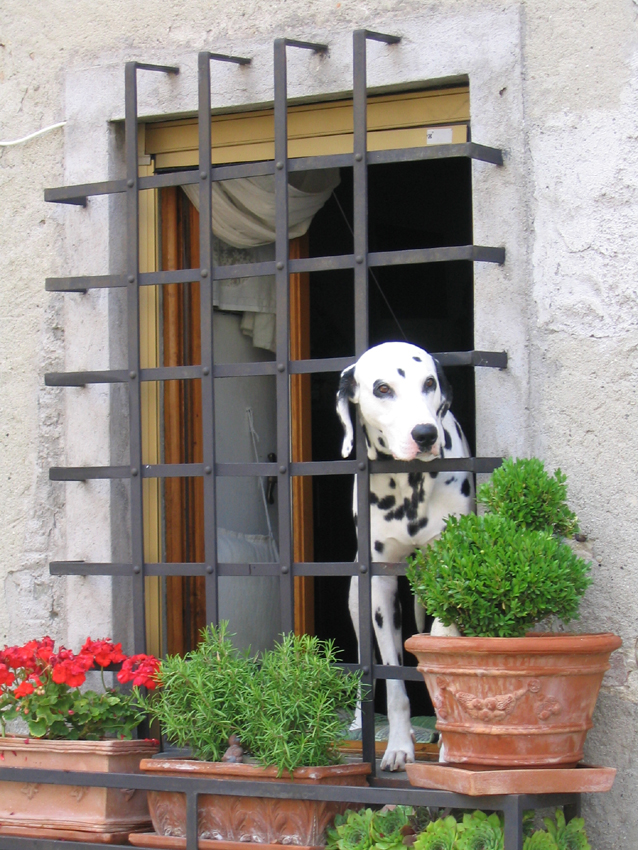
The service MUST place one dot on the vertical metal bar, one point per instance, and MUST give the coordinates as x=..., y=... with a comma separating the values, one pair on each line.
x=135, y=402
x=191, y=821
x=360, y=189
x=282, y=336
x=206, y=275
x=572, y=810
x=513, y=827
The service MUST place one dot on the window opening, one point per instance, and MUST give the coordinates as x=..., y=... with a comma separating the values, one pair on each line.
x=208, y=371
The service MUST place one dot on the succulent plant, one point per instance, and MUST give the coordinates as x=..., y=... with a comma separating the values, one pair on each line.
x=438, y=835
x=479, y=831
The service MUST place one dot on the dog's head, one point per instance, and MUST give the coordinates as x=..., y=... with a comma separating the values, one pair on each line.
x=402, y=395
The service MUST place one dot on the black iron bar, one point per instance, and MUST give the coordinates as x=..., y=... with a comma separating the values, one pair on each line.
x=282, y=287
x=84, y=282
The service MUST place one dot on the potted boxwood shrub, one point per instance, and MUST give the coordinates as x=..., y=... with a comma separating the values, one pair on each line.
x=504, y=697
x=72, y=729
x=287, y=707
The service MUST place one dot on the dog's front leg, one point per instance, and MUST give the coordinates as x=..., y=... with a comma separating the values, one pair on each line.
x=386, y=615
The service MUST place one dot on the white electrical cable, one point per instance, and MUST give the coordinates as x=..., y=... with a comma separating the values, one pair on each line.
x=255, y=439
x=7, y=144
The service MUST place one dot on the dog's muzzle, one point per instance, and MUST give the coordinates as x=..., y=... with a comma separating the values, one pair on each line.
x=425, y=436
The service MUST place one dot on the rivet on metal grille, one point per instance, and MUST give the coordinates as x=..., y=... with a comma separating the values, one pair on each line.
x=132, y=375
x=363, y=569
x=205, y=371
x=203, y=175
x=130, y=182
x=281, y=367
x=285, y=569
x=208, y=470
x=359, y=259
x=366, y=671
x=137, y=568
x=131, y=278
x=282, y=470
x=134, y=471
x=358, y=157
x=361, y=465
x=209, y=569
x=204, y=272
x=280, y=265
x=279, y=166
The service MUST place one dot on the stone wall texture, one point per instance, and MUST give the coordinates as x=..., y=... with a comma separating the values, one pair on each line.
x=552, y=82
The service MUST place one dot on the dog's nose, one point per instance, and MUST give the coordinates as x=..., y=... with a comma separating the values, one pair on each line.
x=425, y=436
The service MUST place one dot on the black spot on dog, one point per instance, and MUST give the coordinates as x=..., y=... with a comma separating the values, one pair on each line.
x=414, y=479
x=459, y=432
x=386, y=503
x=378, y=618
x=347, y=383
x=392, y=483
x=382, y=442
x=465, y=487
x=442, y=453
x=414, y=527
x=448, y=439
x=401, y=372
x=418, y=359
x=379, y=546
x=433, y=474
x=398, y=513
x=383, y=455
x=450, y=480
x=373, y=498
x=397, y=612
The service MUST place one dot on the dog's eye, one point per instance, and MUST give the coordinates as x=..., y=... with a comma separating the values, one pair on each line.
x=429, y=385
x=381, y=389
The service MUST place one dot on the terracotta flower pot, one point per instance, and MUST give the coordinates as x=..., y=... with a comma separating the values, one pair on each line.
x=68, y=811
x=260, y=819
x=513, y=702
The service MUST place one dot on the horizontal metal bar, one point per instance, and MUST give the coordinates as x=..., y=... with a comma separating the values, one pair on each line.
x=86, y=473
x=453, y=464
x=82, y=568
x=380, y=569
x=407, y=674
x=488, y=359
x=81, y=379
x=169, y=178
x=173, y=470
x=171, y=373
x=327, y=568
x=235, y=470
x=251, y=569
x=173, y=276
x=242, y=370
x=327, y=364
x=397, y=792
x=84, y=282
x=380, y=36
x=454, y=253
x=244, y=270
x=147, y=66
x=304, y=45
x=224, y=57
x=79, y=194
x=324, y=467
x=469, y=150
x=321, y=264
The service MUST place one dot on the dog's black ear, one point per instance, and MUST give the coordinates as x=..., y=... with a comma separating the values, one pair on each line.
x=348, y=392
x=446, y=390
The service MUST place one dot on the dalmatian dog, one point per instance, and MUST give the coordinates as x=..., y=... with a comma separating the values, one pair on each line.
x=404, y=402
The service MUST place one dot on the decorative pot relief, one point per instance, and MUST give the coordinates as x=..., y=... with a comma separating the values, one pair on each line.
x=495, y=708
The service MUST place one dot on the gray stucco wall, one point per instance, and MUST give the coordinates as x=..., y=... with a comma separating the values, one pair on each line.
x=553, y=82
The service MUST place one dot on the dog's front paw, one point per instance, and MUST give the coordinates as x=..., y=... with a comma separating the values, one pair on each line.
x=396, y=758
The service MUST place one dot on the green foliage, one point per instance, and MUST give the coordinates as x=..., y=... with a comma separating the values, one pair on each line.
x=493, y=578
x=300, y=704
x=525, y=492
x=568, y=836
x=287, y=707
x=439, y=835
x=479, y=831
x=367, y=829
x=202, y=700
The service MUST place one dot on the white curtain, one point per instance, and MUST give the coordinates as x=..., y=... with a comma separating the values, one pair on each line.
x=244, y=227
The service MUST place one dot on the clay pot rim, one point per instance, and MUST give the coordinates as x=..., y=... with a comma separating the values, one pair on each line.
x=107, y=746
x=537, y=643
x=180, y=766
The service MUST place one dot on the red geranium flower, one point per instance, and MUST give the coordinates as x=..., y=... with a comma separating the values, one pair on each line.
x=23, y=690
x=6, y=676
x=103, y=651
x=141, y=670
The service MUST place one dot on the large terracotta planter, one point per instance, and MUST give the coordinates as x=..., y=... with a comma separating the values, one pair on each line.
x=261, y=820
x=73, y=811
x=513, y=702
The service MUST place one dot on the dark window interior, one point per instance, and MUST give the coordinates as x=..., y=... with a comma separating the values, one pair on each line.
x=411, y=205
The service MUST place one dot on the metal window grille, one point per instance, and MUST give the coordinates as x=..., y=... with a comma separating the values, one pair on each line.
x=361, y=260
